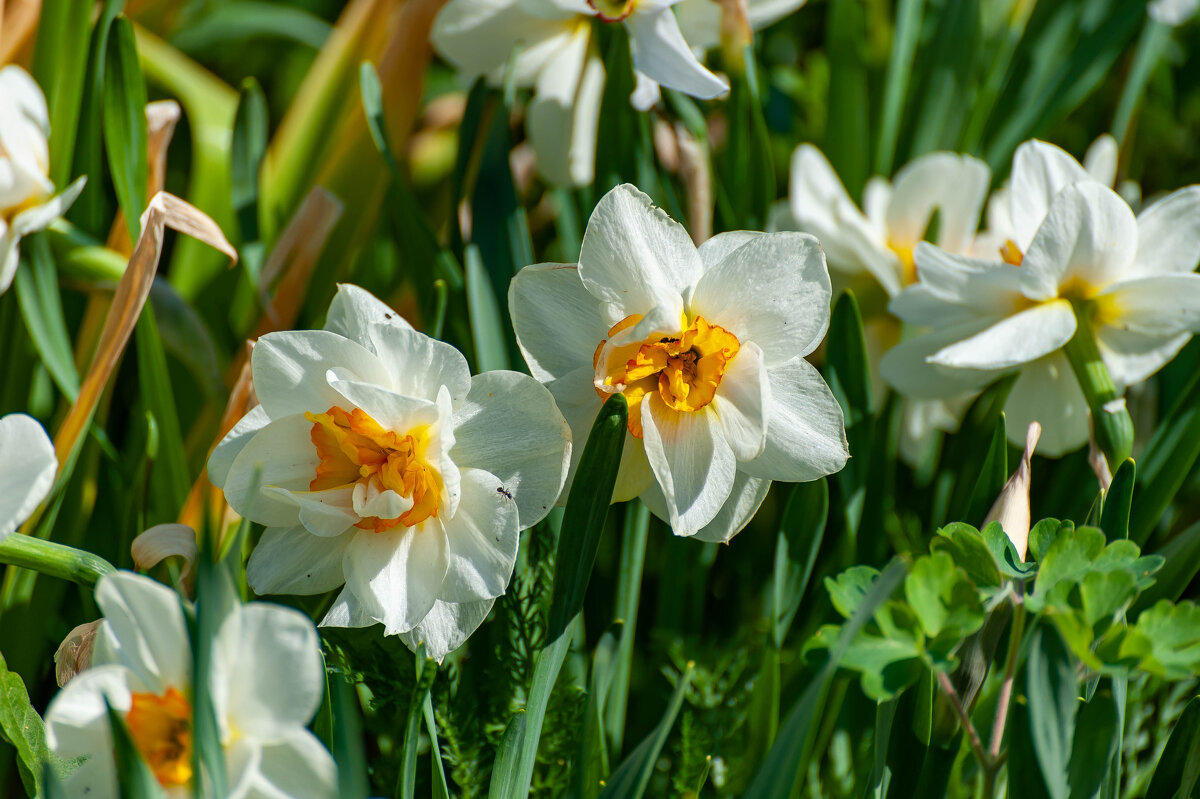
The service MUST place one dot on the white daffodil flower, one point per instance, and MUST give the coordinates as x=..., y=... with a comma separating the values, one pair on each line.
x=559, y=61
x=1075, y=246
x=708, y=347
x=1172, y=12
x=877, y=245
x=27, y=199
x=27, y=469
x=377, y=461
x=267, y=681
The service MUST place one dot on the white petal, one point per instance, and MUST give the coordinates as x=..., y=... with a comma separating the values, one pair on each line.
x=982, y=286
x=10, y=256
x=1040, y=171
x=635, y=256
x=953, y=185
x=691, y=460
x=563, y=116
x=821, y=206
x=291, y=560
x=355, y=312
x=920, y=305
x=1089, y=234
x=144, y=628
x=447, y=627
x=482, y=539
x=659, y=50
x=282, y=455
x=38, y=217
x=397, y=574
x=396, y=412
x=744, y=500
x=646, y=92
x=806, y=434
x=478, y=36
x=557, y=322
x=906, y=366
x=290, y=370
x=299, y=765
x=419, y=365
x=510, y=427
x=346, y=611
x=774, y=290
x=1162, y=305
x=1015, y=340
x=77, y=726
x=233, y=443
x=1047, y=392
x=268, y=663
x=634, y=474
x=714, y=250
x=27, y=469
x=1100, y=161
x=1169, y=234
x=742, y=402
x=324, y=513
x=1131, y=357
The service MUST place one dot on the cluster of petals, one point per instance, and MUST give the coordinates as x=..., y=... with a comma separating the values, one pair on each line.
x=707, y=344
x=378, y=463
x=557, y=56
x=27, y=469
x=1071, y=246
x=267, y=679
x=27, y=199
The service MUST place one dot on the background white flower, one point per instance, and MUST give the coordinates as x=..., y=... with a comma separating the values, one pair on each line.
x=27, y=469
x=267, y=682
x=376, y=460
x=707, y=345
x=27, y=201
x=1074, y=247
x=559, y=61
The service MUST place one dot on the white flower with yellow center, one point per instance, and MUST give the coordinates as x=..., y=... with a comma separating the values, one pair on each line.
x=27, y=469
x=27, y=199
x=874, y=247
x=1076, y=248
x=267, y=682
x=377, y=461
x=708, y=347
x=561, y=64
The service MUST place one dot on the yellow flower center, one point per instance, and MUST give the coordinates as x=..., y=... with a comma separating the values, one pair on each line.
x=161, y=729
x=1010, y=253
x=684, y=370
x=908, y=264
x=356, y=449
x=612, y=10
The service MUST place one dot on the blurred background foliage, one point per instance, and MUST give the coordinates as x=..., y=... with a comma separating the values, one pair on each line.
x=401, y=179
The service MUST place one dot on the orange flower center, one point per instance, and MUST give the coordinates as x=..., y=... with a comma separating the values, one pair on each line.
x=684, y=370
x=356, y=450
x=612, y=10
x=161, y=729
x=1010, y=253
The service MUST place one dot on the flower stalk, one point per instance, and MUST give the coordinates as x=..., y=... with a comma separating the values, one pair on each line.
x=1111, y=423
x=55, y=560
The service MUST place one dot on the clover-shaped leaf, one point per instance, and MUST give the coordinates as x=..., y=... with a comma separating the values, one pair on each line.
x=966, y=546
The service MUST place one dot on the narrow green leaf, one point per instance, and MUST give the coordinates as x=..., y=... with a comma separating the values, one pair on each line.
x=1095, y=742
x=170, y=480
x=250, y=130
x=89, y=210
x=426, y=671
x=134, y=778
x=441, y=790
x=487, y=323
x=60, y=56
x=348, y=741
x=41, y=306
x=1114, y=519
x=629, y=586
x=993, y=474
x=947, y=90
x=787, y=761
x=900, y=65
x=125, y=123
x=213, y=595
x=591, y=768
x=1024, y=776
x=245, y=20
x=632, y=777
x=1181, y=563
x=749, y=177
x=1053, y=692
x=1166, y=461
x=847, y=142
x=583, y=522
x=801, y=531
x=1179, y=767
x=506, y=772
x=848, y=373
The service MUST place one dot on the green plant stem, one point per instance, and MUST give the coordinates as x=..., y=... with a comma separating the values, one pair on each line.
x=1112, y=426
x=960, y=711
x=55, y=560
x=1010, y=667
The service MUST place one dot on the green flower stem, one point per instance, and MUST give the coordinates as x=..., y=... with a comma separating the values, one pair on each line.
x=1111, y=423
x=55, y=560
x=80, y=257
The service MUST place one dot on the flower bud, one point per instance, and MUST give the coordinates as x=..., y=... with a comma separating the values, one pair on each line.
x=1012, y=506
x=75, y=653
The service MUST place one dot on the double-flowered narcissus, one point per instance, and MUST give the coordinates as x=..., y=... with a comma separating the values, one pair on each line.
x=708, y=347
x=267, y=678
x=27, y=469
x=1073, y=253
x=377, y=461
x=27, y=199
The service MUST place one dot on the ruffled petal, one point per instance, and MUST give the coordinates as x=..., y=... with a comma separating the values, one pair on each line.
x=396, y=575
x=557, y=322
x=447, y=627
x=291, y=560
